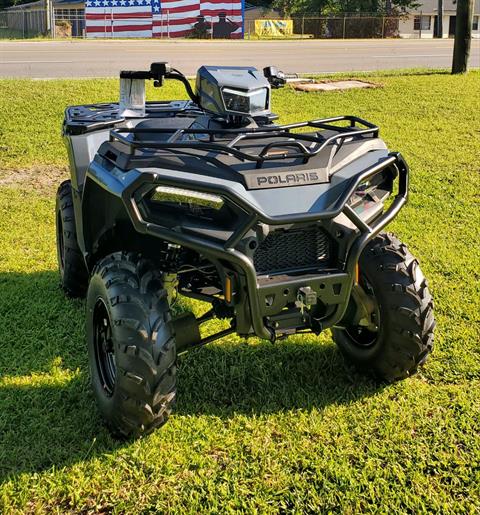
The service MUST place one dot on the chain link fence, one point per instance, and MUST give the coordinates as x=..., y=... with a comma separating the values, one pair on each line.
x=70, y=23
x=338, y=27
x=22, y=23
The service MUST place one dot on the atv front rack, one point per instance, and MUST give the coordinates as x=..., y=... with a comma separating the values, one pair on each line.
x=306, y=145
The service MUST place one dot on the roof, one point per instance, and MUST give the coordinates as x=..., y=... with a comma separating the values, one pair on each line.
x=69, y=2
x=40, y=4
x=31, y=5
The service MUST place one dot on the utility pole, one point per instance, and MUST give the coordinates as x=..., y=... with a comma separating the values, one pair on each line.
x=48, y=17
x=463, y=36
x=440, y=19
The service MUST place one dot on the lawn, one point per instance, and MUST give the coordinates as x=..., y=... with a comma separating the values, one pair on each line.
x=259, y=428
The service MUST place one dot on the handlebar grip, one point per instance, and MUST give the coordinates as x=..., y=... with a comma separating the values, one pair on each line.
x=128, y=74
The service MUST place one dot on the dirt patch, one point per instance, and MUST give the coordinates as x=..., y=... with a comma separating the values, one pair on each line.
x=335, y=85
x=42, y=179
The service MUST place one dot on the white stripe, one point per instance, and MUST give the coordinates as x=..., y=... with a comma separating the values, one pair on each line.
x=172, y=29
x=176, y=16
x=117, y=10
x=118, y=23
x=130, y=34
x=221, y=7
x=236, y=18
x=165, y=5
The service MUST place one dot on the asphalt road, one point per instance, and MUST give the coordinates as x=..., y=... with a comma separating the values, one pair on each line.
x=49, y=59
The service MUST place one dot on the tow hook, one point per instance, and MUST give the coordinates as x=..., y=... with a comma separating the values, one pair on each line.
x=306, y=298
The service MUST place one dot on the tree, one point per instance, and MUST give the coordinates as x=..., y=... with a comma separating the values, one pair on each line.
x=288, y=7
x=12, y=3
x=463, y=36
x=326, y=7
x=387, y=7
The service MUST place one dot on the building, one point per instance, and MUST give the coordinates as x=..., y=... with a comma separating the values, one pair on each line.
x=422, y=21
x=30, y=20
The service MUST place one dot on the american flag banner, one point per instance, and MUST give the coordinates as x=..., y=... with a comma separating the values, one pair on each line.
x=197, y=18
x=118, y=18
x=164, y=18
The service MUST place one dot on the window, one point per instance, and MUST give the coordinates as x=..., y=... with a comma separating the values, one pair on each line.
x=69, y=14
x=475, y=23
x=422, y=22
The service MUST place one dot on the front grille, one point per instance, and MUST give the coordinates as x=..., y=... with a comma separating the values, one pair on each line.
x=293, y=249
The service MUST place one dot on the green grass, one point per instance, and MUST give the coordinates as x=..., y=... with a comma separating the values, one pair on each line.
x=6, y=33
x=259, y=427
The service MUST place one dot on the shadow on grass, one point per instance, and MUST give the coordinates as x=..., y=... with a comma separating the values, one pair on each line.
x=48, y=415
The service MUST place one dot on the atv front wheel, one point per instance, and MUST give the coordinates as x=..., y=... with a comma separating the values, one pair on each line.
x=130, y=344
x=73, y=272
x=398, y=336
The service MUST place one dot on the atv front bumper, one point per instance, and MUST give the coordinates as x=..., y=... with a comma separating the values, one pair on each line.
x=332, y=288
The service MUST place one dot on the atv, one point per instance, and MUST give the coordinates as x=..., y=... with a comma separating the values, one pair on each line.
x=277, y=227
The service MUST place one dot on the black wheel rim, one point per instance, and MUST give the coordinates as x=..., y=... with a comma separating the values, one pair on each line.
x=61, y=248
x=104, y=347
x=362, y=336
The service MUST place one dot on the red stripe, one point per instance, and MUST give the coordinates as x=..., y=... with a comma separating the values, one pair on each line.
x=116, y=16
x=232, y=4
x=181, y=9
x=181, y=21
x=215, y=12
x=123, y=28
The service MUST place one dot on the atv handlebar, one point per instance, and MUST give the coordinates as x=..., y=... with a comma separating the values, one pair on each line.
x=162, y=70
x=158, y=73
x=275, y=77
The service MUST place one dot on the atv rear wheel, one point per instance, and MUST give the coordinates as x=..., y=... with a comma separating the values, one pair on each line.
x=73, y=272
x=399, y=336
x=130, y=344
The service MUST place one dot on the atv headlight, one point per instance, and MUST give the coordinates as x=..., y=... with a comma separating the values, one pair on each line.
x=245, y=102
x=191, y=197
x=170, y=206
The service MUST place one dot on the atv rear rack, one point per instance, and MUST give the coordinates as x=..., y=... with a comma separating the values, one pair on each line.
x=357, y=128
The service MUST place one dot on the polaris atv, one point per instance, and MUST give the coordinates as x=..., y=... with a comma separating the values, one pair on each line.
x=277, y=227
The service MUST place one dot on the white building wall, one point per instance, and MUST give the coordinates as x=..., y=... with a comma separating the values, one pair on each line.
x=476, y=33
x=406, y=27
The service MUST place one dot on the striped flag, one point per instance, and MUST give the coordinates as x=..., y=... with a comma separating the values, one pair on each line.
x=164, y=18
x=197, y=18
x=118, y=18
x=174, y=18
